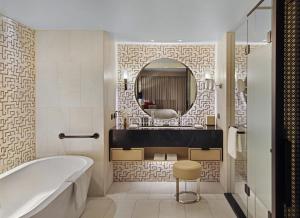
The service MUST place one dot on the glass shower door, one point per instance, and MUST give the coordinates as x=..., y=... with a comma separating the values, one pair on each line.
x=259, y=111
x=251, y=170
x=239, y=165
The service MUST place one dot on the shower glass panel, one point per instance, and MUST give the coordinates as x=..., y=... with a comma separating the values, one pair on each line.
x=259, y=110
x=252, y=167
x=239, y=165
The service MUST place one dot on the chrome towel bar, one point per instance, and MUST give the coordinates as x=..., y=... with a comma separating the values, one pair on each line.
x=242, y=132
x=63, y=136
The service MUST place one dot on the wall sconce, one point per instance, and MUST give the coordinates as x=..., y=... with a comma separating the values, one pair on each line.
x=210, y=82
x=125, y=77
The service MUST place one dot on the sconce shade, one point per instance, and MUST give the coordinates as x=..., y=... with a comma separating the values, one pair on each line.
x=125, y=74
x=208, y=76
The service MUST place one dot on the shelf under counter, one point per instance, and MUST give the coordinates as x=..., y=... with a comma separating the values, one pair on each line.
x=182, y=153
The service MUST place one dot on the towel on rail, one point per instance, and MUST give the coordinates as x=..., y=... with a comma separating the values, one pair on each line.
x=232, y=142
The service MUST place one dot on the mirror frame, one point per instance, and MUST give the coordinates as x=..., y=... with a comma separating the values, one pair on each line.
x=136, y=79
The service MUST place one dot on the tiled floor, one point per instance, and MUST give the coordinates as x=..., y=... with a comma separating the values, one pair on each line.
x=156, y=200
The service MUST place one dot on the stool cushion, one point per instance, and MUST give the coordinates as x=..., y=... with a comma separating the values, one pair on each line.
x=187, y=170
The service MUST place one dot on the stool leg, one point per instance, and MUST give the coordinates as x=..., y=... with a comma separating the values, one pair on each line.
x=198, y=188
x=177, y=189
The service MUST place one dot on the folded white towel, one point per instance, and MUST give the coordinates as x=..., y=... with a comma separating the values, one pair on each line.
x=158, y=156
x=232, y=143
x=171, y=156
x=198, y=126
x=133, y=126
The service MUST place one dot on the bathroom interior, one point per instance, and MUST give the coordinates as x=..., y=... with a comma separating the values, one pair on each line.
x=101, y=101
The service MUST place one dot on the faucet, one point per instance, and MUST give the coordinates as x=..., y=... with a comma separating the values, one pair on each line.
x=152, y=118
x=179, y=118
x=144, y=121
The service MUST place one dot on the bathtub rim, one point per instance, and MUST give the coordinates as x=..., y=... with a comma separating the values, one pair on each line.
x=26, y=164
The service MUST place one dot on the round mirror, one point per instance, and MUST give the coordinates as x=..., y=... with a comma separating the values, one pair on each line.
x=165, y=88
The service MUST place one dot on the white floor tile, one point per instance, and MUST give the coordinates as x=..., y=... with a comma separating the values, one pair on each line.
x=220, y=208
x=161, y=196
x=157, y=200
x=116, y=196
x=118, y=190
x=119, y=187
x=198, y=210
x=171, y=209
x=260, y=210
x=205, y=187
x=137, y=196
x=162, y=187
x=146, y=209
x=96, y=208
x=139, y=187
x=121, y=209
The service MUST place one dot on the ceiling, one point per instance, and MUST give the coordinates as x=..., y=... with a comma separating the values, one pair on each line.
x=134, y=20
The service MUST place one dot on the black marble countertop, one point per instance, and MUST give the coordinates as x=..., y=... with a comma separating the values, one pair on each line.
x=206, y=137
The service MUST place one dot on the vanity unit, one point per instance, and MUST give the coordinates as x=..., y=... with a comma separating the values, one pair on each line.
x=165, y=89
x=172, y=103
x=201, y=144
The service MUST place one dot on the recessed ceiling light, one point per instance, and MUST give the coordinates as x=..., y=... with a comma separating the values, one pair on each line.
x=152, y=40
x=179, y=40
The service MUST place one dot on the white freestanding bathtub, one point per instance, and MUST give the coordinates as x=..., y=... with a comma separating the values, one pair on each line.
x=53, y=187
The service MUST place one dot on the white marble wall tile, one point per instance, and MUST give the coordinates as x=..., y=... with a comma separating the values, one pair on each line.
x=70, y=83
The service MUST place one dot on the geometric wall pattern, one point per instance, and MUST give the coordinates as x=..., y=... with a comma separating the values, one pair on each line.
x=133, y=57
x=240, y=73
x=17, y=94
x=159, y=171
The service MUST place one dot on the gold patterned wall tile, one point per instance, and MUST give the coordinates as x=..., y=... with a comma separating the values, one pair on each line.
x=159, y=171
x=199, y=58
x=240, y=73
x=17, y=94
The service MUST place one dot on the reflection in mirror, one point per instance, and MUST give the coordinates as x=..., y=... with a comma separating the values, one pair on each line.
x=165, y=88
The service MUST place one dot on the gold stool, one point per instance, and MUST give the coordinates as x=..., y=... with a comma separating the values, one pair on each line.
x=187, y=170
